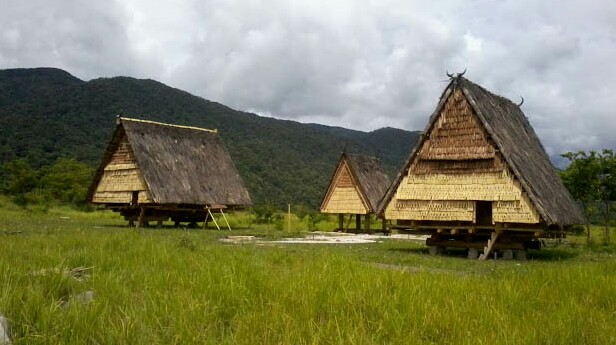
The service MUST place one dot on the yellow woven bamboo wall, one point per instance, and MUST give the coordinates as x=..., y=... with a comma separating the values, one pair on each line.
x=519, y=211
x=479, y=186
x=121, y=178
x=344, y=200
x=431, y=210
x=118, y=183
x=447, y=197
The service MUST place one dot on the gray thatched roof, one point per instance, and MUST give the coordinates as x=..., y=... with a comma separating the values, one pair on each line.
x=369, y=176
x=179, y=164
x=520, y=147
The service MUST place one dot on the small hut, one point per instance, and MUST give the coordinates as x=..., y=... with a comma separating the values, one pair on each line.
x=479, y=178
x=357, y=186
x=154, y=171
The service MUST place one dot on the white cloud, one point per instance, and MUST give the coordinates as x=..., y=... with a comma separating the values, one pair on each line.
x=355, y=63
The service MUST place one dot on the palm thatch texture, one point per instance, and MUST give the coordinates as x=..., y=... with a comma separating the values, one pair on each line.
x=479, y=163
x=166, y=167
x=356, y=188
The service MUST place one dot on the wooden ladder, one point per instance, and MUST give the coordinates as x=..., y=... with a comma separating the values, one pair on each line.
x=487, y=249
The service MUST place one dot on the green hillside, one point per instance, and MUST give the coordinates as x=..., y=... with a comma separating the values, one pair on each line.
x=47, y=113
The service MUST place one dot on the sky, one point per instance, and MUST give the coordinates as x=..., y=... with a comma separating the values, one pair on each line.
x=360, y=64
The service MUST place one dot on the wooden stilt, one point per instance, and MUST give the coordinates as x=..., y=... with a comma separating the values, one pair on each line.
x=141, y=220
x=340, y=221
x=346, y=227
x=367, y=222
x=207, y=216
x=358, y=222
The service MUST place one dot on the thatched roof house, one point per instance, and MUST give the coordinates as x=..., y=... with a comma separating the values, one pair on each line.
x=151, y=163
x=357, y=186
x=479, y=162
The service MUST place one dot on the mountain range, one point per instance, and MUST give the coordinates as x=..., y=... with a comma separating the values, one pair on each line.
x=46, y=113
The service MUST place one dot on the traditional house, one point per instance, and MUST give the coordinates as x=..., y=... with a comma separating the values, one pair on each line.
x=154, y=172
x=357, y=186
x=479, y=177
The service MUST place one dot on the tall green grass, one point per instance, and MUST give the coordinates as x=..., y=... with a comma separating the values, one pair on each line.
x=171, y=286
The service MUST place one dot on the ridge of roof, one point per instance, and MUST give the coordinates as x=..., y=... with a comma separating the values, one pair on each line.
x=167, y=124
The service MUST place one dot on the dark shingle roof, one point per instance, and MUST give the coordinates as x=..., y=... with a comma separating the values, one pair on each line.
x=372, y=180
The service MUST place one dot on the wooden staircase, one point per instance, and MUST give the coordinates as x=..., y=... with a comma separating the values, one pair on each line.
x=488, y=249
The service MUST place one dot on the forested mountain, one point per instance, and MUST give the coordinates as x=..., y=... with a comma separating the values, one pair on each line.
x=47, y=113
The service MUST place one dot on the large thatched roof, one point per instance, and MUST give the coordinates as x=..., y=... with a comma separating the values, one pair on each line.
x=179, y=164
x=519, y=146
x=368, y=178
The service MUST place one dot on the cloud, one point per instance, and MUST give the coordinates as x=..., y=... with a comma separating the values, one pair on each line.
x=361, y=64
x=83, y=37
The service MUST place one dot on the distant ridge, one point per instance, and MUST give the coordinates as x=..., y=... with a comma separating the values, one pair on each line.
x=46, y=113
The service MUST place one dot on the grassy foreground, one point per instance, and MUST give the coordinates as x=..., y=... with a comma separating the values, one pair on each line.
x=186, y=287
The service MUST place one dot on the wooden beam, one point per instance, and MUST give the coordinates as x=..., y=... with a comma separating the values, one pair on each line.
x=487, y=249
x=225, y=218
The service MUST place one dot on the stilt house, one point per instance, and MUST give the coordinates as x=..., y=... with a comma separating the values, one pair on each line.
x=479, y=178
x=355, y=190
x=154, y=172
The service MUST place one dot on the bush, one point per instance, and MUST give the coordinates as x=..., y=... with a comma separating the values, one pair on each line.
x=265, y=214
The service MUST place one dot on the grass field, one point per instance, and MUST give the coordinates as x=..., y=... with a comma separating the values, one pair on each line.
x=176, y=286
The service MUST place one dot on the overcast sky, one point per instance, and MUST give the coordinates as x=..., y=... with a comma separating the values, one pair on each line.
x=361, y=64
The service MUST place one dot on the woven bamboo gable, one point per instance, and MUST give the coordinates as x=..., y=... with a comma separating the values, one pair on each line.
x=344, y=196
x=464, y=158
x=166, y=164
x=357, y=186
x=121, y=178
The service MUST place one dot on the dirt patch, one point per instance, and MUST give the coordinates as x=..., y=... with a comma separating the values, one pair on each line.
x=327, y=238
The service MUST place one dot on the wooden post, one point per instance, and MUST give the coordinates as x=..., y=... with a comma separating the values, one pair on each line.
x=289, y=220
x=384, y=224
x=141, y=220
x=367, y=226
x=348, y=223
x=358, y=222
x=340, y=221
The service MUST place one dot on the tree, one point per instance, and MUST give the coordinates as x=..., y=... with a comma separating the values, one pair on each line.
x=581, y=179
x=607, y=186
x=18, y=180
x=67, y=180
x=591, y=177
